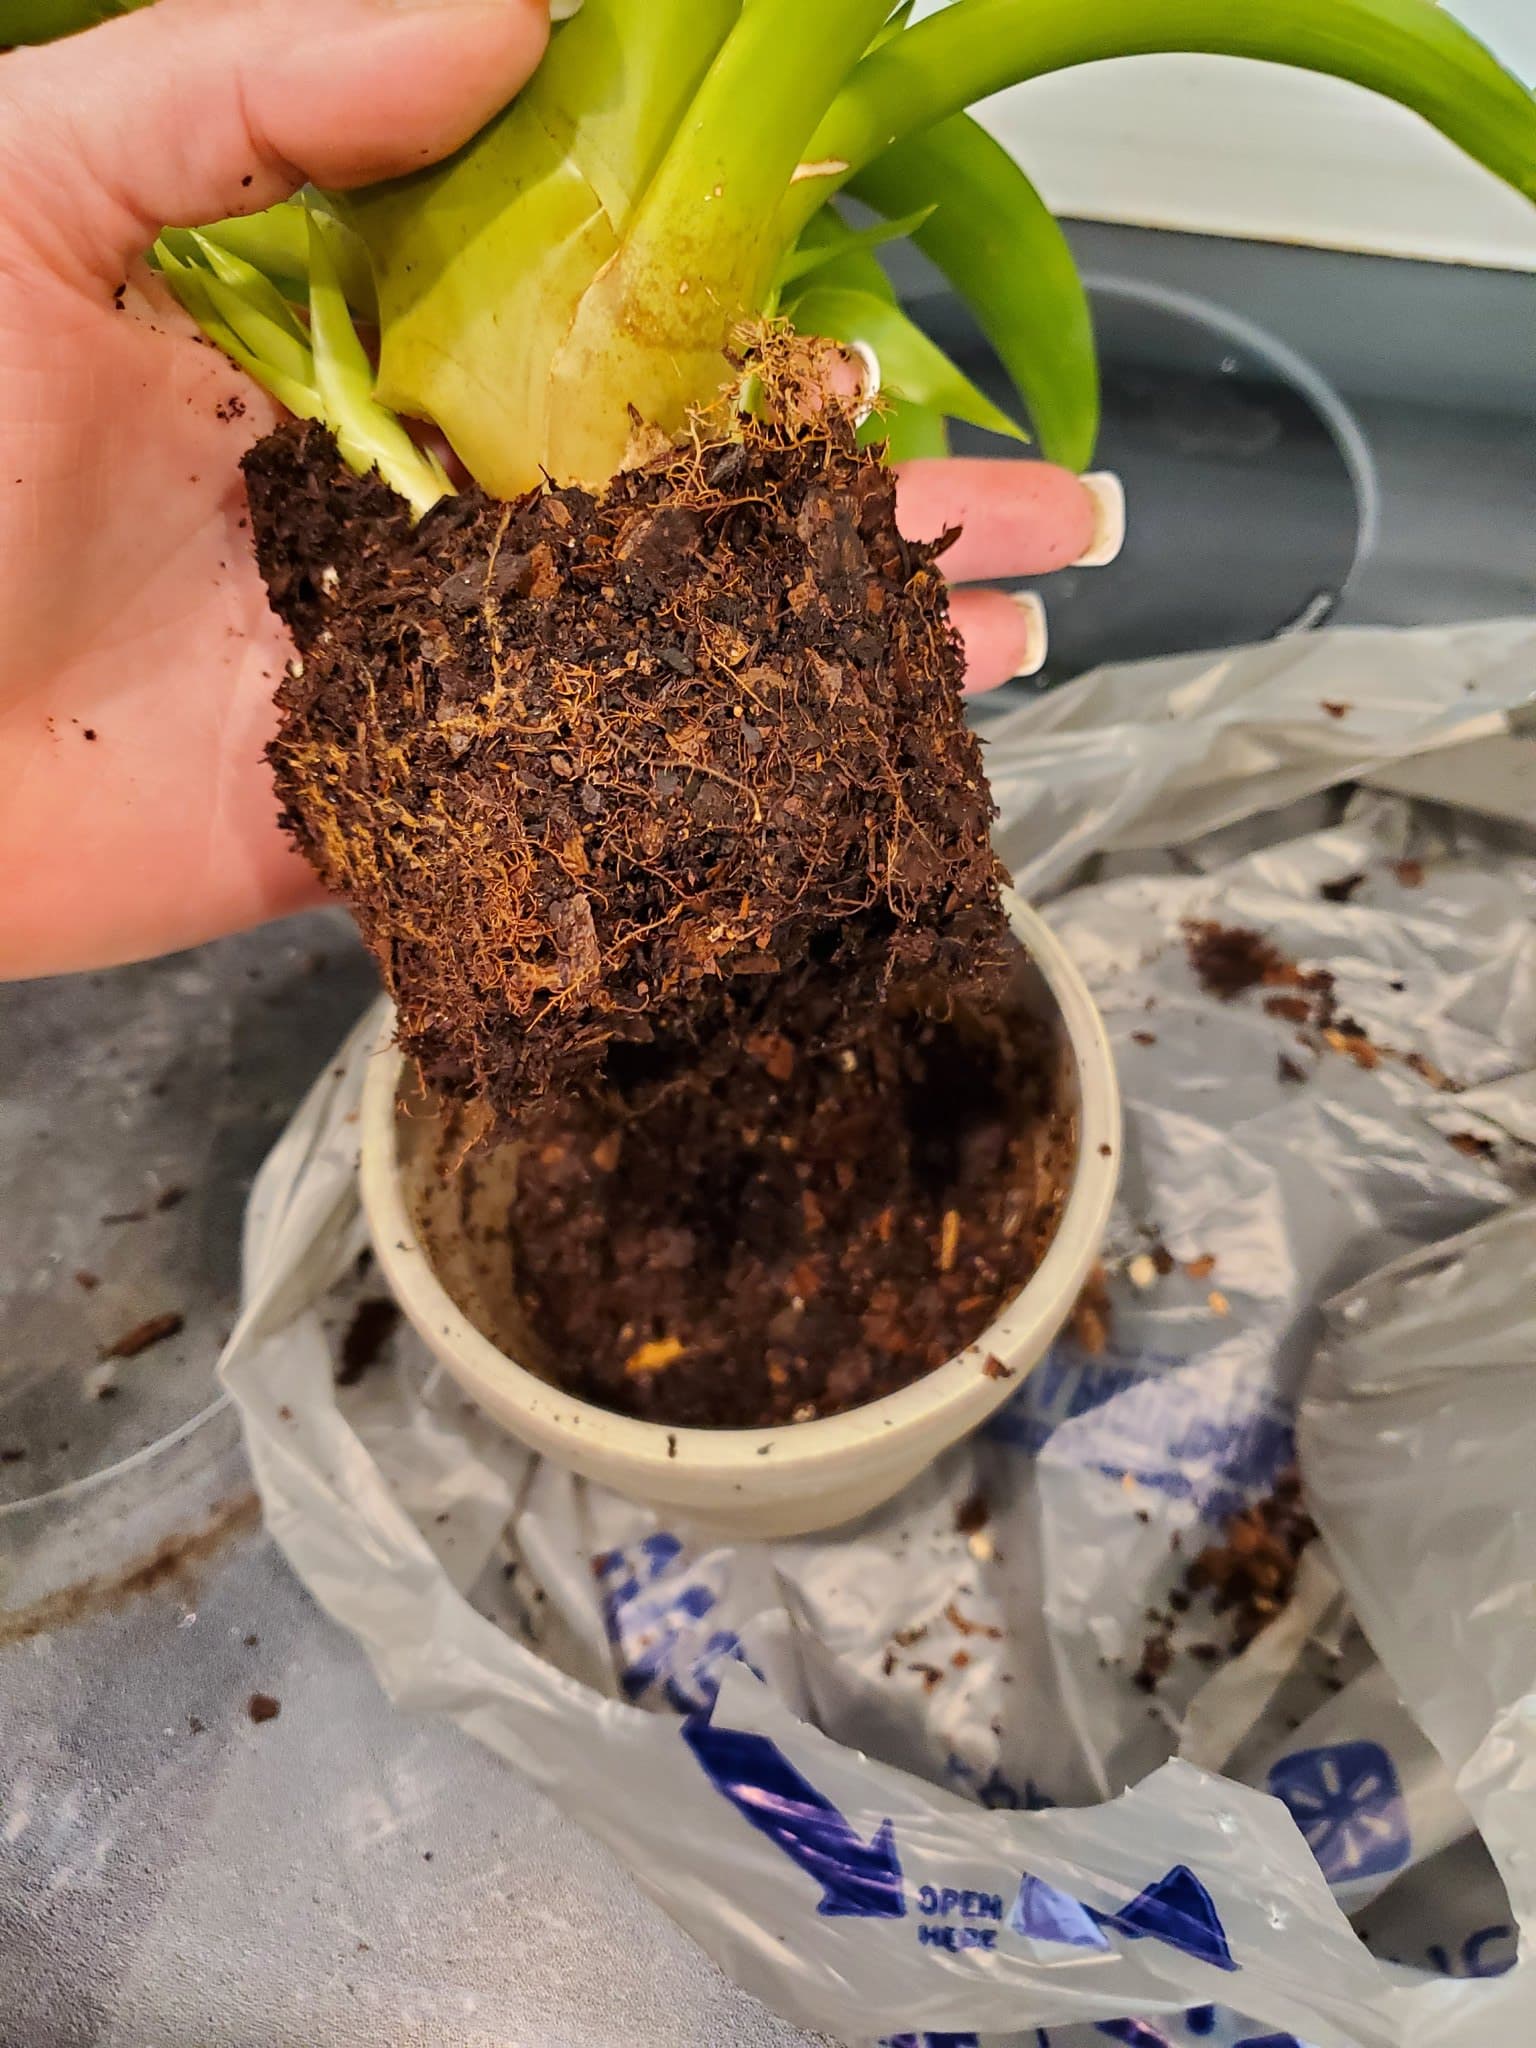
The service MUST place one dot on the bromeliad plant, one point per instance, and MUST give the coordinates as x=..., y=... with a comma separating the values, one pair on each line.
x=672, y=172
x=650, y=733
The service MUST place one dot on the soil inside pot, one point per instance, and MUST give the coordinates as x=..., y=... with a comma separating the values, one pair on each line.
x=816, y=1230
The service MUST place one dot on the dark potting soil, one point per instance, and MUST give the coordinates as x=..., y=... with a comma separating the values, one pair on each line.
x=653, y=768
x=658, y=809
x=847, y=1221
x=1251, y=1573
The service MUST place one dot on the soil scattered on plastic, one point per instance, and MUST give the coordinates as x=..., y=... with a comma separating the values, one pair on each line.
x=1231, y=961
x=1228, y=960
x=373, y=1323
x=263, y=1706
x=973, y=1513
x=143, y=1336
x=1251, y=1574
x=1089, y=1323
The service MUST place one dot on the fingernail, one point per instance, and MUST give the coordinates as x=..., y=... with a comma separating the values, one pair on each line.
x=870, y=389
x=1108, y=495
x=1037, y=638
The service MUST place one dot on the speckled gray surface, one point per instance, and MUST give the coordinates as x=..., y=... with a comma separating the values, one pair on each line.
x=340, y=1874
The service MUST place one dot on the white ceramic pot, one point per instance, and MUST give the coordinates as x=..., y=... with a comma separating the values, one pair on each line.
x=747, y=1482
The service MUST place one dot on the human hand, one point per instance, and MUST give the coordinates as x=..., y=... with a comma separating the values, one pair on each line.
x=139, y=654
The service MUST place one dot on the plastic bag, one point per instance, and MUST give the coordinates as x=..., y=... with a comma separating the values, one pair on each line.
x=910, y=1779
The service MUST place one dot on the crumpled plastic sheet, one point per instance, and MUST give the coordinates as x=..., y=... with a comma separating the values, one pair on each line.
x=899, y=1780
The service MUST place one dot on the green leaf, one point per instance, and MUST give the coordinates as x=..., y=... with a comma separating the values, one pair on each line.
x=698, y=254
x=999, y=245
x=369, y=436
x=276, y=242
x=43, y=21
x=898, y=20
x=813, y=254
x=257, y=293
x=269, y=340
x=192, y=285
x=483, y=261
x=1411, y=51
x=904, y=431
x=911, y=366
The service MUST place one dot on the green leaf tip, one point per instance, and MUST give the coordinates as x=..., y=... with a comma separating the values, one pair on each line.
x=319, y=372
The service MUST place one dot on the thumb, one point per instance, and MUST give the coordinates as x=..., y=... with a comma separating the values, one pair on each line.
x=196, y=109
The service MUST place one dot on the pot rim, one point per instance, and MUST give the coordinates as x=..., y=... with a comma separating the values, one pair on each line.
x=665, y=1451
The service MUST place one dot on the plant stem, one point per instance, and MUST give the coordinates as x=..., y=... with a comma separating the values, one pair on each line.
x=481, y=262
x=703, y=242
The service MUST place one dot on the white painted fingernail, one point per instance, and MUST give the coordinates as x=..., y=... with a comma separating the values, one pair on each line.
x=1038, y=640
x=1108, y=495
x=869, y=390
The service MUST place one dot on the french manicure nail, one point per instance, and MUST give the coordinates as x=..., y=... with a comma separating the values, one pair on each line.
x=870, y=389
x=1108, y=495
x=1038, y=638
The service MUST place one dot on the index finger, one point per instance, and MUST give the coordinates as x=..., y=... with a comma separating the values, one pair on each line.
x=1017, y=518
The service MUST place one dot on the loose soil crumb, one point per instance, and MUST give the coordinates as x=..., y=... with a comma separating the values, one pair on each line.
x=973, y=1513
x=1473, y=1146
x=153, y=1330
x=633, y=775
x=261, y=1706
x=1291, y=1009
x=843, y=1222
x=1251, y=1574
x=1410, y=873
x=373, y=1324
x=1230, y=960
x=1342, y=890
x=1156, y=1662
x=87, y=1280
x=1335, y=710
x=1089, y=1322
x=964, y=1626
x=1290, y=1071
